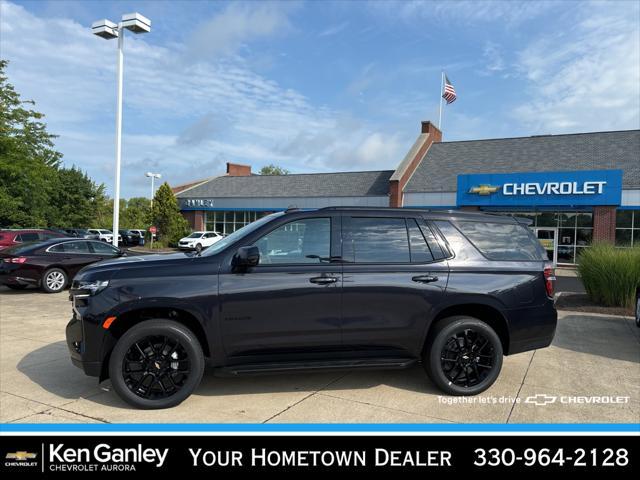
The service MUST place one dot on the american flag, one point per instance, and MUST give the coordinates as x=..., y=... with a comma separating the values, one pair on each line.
x=449, y=92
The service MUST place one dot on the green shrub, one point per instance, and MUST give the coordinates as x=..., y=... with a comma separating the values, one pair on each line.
x=610, y=275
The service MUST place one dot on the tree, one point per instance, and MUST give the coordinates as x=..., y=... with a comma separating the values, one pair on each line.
x=165, y=215
x=35, y=191
x=28, y=161
x=137, y=213
x=272, y=169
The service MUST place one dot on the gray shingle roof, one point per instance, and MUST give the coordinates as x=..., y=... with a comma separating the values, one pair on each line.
x=584, y=151
x=342, y=184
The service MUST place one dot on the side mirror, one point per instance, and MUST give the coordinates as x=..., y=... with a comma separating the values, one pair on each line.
x=246, y=257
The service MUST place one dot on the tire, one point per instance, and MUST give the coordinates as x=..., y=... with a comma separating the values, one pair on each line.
x=447, y=362
x=17, y=287
x=54, y=280
x=147, y=389
x=199, y=247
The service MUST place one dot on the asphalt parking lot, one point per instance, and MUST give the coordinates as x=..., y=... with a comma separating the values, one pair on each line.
x=592, y=355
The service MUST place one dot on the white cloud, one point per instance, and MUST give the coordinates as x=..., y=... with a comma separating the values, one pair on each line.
x=586, y=78
x=238, y=24
x=493, y=58
x=184, y=119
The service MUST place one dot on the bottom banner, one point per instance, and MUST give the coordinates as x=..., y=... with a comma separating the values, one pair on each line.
x=194, y=455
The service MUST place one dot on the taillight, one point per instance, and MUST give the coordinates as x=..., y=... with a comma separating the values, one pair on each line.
x=15, y=260
x=549, y=281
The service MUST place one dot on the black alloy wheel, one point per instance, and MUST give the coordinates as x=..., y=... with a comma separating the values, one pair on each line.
x=467, y=358
x=156, y=364
x=463, y=355
x=199, y=247
x=156, y=367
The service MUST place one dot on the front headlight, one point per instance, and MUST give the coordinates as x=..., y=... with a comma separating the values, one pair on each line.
x=93, y=286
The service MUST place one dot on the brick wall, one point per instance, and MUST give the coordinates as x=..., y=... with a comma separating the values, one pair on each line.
x=238, y=170
x=604, y=224
x=195, y=218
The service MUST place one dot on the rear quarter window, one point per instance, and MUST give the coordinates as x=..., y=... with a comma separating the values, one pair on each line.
x=502, y=241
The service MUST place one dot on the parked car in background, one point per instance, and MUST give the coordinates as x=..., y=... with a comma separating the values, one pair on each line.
x=81, y=233
x=328, y=289
x=131, y=237
x=198, y=241
x=104, y=235
x=51, y=264
x=12, y=237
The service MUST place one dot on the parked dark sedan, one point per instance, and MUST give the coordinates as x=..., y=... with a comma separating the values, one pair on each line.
x=50, y=264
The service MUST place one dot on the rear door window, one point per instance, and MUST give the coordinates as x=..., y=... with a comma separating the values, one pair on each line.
x=76, y=247
x=502, y=241
x=377, y=240
x=102, y=248
x=27, y=237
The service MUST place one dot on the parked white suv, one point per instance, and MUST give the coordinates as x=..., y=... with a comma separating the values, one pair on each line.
x=105, y=235
x=199, y=240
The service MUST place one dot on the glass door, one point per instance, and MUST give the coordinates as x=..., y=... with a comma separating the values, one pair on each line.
x=548, y=238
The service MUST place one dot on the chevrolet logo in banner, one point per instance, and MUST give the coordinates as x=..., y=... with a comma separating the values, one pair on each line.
x=484, y=190
x=21, y=456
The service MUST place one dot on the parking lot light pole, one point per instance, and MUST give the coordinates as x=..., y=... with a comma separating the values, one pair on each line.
x=153, y=176
x=106, y=29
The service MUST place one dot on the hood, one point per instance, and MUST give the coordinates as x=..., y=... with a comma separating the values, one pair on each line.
x=107, y=268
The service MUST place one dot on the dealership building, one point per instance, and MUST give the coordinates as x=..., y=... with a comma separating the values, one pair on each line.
x=575, y=188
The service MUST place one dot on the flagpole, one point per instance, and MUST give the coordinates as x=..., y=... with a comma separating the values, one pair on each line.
x=441, y=92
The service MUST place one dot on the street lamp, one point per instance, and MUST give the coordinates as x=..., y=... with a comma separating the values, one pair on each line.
x=106, y=29
x=153, y=176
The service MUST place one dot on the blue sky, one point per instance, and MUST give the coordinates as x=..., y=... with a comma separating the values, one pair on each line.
x=316, y=86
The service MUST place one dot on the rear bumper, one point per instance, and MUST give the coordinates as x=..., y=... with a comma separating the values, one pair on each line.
x=532, y=328
x=13, y=275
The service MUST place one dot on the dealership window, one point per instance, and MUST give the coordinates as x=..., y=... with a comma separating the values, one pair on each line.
x=627, y=228
x=226, y=222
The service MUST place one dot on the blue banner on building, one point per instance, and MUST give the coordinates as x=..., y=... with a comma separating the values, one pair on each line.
x=579, y=188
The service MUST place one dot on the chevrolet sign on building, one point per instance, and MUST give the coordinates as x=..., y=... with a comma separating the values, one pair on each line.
x=586, y=187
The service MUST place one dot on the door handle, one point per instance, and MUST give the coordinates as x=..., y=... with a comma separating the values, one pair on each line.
x=425, y=278
x=323, y=280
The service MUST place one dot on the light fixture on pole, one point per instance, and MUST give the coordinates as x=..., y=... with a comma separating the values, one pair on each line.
x=106, y=29
x=153, y=176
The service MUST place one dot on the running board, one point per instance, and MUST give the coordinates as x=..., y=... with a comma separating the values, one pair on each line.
x=317, y=365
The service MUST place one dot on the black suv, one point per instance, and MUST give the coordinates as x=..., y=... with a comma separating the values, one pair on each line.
x=319, y=290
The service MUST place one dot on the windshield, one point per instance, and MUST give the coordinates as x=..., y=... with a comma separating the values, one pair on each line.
x=238, y=234
x=105, y=231
x=195, y=235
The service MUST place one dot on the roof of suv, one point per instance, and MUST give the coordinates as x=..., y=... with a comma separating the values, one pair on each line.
x=435, y=214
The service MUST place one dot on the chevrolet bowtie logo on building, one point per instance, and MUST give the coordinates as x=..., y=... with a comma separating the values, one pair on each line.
x=541, y=399
x=21, y=456
x=484, y=189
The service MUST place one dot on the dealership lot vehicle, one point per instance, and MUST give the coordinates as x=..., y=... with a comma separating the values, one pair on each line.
x=51, y=264
x=335, y=288
x=81, y=233
x=198, y=241
x=105, y=235
x=131, y=237
x=9, y=238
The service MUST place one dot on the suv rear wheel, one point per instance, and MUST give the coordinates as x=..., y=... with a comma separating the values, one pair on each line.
x=156, y=364
x=463, y=356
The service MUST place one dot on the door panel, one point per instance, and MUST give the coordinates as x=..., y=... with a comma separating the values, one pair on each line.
x=387, y=305
x=290, y=302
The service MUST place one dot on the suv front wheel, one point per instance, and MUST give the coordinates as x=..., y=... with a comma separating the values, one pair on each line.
x=463, y=355
x=156, y=364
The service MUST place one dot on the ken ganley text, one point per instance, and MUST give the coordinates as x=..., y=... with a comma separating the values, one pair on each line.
x=262, y=457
